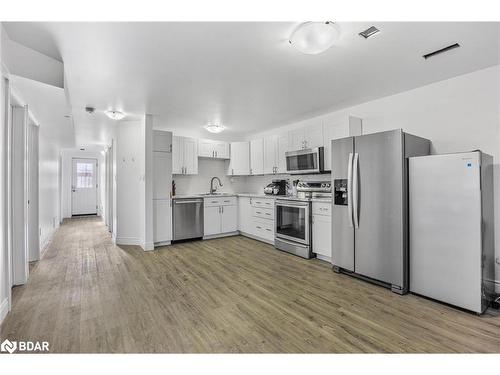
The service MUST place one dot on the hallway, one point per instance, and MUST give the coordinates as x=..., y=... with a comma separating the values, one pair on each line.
x=226, y=295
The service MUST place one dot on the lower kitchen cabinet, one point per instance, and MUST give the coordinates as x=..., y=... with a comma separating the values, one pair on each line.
x=322, y=230
x=220, y=216
x=256, y=217
x=162, y=213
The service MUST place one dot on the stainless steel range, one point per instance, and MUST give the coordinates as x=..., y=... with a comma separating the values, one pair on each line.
x=293, y=218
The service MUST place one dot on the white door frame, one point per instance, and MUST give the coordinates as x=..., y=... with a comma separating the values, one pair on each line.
x=96, y=180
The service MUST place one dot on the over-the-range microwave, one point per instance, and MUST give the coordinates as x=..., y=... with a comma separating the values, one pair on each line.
x=305, y=161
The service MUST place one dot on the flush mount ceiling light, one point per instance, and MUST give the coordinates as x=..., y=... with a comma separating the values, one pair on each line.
x=214, y=128
x=313, y=38
x=115, y=115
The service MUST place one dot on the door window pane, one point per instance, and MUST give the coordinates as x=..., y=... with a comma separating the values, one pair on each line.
x=84, y=175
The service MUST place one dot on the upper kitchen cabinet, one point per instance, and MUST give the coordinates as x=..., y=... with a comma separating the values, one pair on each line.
x=340, y=127
x=162, y=141
x=275, y=147
x=239, y=164
x=257, y=156
x=208, y=148
x=308, y=136
x=184, y=155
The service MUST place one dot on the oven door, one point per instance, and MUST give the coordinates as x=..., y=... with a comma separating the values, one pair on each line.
x=302, y=161
x=293, y=221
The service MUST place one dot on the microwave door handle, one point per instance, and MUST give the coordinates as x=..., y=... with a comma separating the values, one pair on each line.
x=349, y=190
x=355, y=187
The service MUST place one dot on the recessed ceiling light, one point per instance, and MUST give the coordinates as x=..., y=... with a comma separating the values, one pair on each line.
x=369, y=32
x=313, y=38
x=214, y=128
x=115, y=115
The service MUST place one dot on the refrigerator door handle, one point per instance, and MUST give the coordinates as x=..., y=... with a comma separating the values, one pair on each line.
x=355, y=187
x=349, y=190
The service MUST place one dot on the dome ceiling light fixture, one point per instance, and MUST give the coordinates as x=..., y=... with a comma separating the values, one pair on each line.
x=214, y=128
x=313, y=38
x=115, y=115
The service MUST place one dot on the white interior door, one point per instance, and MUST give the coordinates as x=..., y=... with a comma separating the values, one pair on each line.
x=33, y=231
x=84, y=187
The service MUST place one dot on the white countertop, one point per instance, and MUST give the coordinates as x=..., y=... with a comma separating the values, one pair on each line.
x=253, y=195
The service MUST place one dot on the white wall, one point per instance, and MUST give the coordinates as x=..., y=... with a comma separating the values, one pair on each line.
x=66, y=156
x=458, y=114
x=200, y=183
x=130, y=160
x=4, y=287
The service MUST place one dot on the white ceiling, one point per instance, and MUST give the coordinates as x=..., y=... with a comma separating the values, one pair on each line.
x=48, y=106
x=245, y=75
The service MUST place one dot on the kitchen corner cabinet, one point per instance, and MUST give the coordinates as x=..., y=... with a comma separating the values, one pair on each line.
x=342, y=127
x=275, y=147
x=239, y=164
x=322, y=230
x=208, y=148
x=308, y=136
x=257, y=157
x=184, y=155
x=220, y=215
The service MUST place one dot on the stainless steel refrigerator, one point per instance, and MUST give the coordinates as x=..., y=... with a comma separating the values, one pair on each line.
x=370, y=209
x=452, y=249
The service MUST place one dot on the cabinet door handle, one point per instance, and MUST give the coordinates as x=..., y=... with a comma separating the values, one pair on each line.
x=251, y=171
x=222, y=207
x=232, y=172
x=216, y=154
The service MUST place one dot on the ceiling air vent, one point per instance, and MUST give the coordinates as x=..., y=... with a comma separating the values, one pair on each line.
x=369, y=32
x=442, y=50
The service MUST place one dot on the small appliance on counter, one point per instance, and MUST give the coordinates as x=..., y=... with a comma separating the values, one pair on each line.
x=277, y=187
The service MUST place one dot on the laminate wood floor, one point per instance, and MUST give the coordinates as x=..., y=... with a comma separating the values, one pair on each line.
x=225, y=295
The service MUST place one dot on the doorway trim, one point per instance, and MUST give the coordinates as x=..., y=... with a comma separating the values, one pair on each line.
x=96, y=181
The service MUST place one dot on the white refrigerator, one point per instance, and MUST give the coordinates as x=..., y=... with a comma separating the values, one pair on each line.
x=451, y=228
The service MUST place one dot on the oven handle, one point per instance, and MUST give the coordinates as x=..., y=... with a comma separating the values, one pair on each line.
x=349, y=190
x=281, y=204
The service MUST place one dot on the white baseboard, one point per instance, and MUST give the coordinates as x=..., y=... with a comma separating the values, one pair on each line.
x=221, y=235
x=256, y=238
x=163, y=243
x=148, y=246
x=128, y=241
x=4, y=309
x=324, y=258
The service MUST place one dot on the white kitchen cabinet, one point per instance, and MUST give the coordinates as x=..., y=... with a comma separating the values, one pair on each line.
x=220, y=215
x=162, y=174
x=211, y=220
x=270, y=154
x=239, y=164
x=162, y=215
x=244, y=214
x=322, y=230
x=280, y=155
x=336, y=128
x=275, y=147
x=208, y=148
x=229, y=219
x=162, y=141
x=184, y=155
x=308, y=136
x=257, y=156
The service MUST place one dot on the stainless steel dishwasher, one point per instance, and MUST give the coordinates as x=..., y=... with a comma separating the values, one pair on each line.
x=188, y=218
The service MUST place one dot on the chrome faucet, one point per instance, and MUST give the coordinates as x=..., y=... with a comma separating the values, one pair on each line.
x=212, y=189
